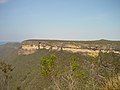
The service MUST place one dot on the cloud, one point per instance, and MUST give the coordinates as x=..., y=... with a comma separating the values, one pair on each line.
x=3, y=1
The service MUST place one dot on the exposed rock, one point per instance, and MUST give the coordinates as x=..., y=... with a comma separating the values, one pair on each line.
x=31, y=46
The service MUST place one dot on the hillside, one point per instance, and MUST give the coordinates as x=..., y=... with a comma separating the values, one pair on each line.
x=27, y=74
x=59, y=69
x=9, y=50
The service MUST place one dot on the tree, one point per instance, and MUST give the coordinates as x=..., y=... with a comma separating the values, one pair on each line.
x=48, y=69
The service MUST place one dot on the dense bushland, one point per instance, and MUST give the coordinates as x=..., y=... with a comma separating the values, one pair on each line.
x=51, y=70
x=82, y=72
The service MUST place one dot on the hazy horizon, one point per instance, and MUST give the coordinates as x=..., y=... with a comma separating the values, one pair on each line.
x=13, y=41
x=59, y=19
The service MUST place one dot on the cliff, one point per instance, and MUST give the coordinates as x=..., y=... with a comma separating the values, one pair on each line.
x=31, y=46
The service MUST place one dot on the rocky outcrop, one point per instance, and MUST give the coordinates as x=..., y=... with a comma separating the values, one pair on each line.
x=31, y=46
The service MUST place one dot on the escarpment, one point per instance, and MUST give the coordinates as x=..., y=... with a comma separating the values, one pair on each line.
x=31, y=46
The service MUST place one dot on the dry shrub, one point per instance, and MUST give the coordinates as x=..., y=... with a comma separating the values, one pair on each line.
x=113, y=83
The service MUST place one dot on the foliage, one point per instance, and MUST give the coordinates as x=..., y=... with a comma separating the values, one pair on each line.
x=62, y=70
x=6, y=69
x=47, y=64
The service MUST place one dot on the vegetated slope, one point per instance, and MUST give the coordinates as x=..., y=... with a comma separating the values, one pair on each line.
x=9, y=50
x=27, y=71
x=103, y=44
x=89, y=73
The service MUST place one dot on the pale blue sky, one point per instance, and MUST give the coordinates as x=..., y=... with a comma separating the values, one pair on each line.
x=59, y=19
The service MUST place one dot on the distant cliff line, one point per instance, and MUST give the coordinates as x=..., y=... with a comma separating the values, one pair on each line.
x=32, y=45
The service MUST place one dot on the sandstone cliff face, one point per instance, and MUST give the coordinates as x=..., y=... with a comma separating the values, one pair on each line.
x=31, y=46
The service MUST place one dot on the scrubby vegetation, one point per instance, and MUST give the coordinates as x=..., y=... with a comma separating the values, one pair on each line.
x=61, y=70
x=5, y=70
x=83, y=72
x=52, y=70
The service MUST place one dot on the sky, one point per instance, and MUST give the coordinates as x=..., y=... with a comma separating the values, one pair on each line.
x=59, y=19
